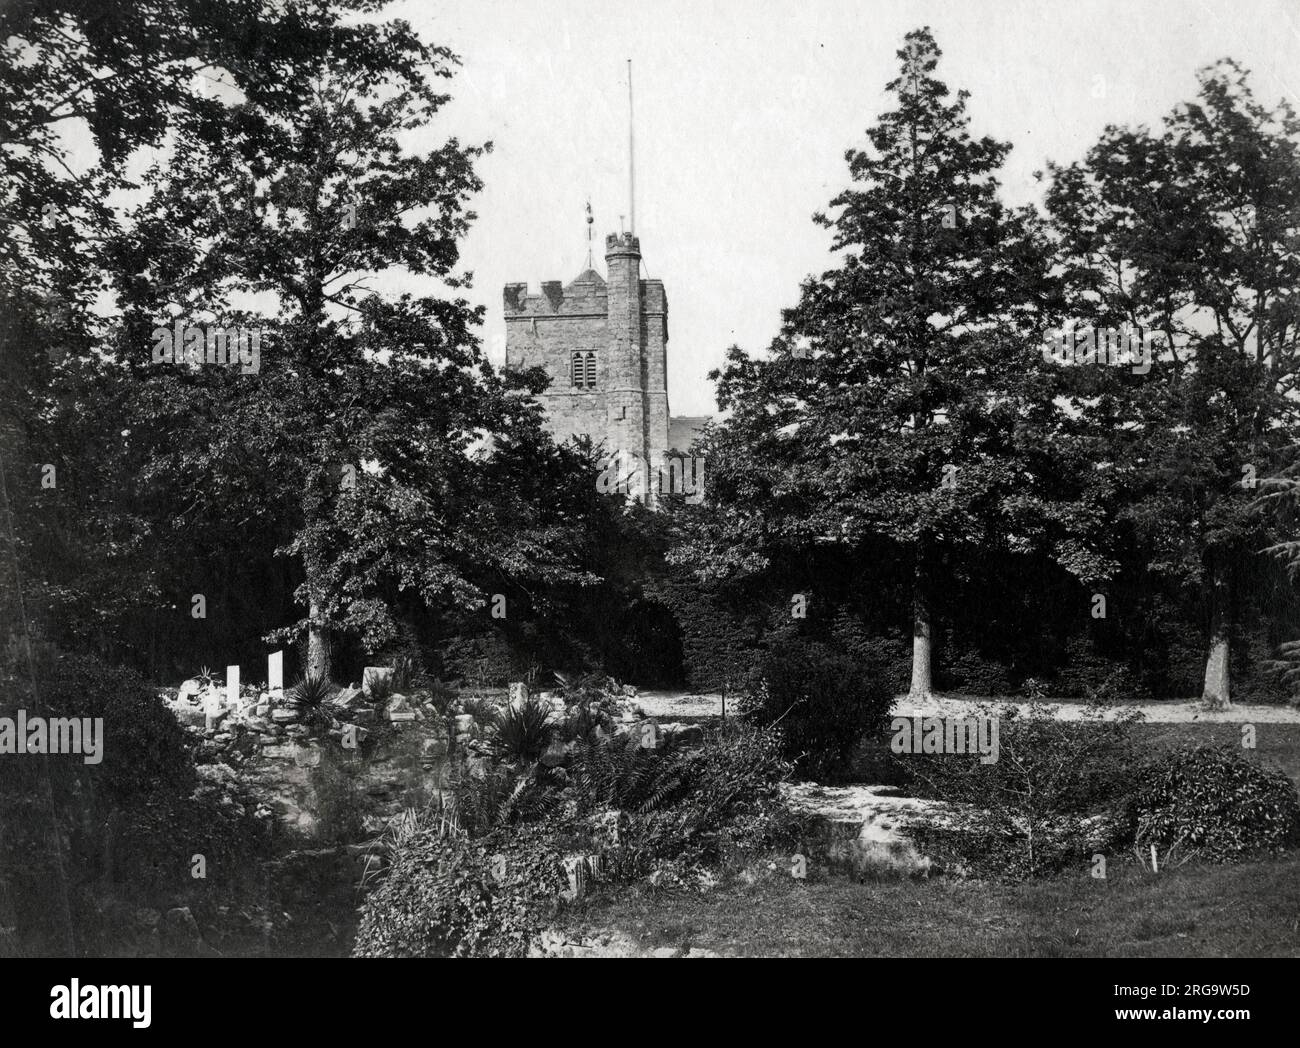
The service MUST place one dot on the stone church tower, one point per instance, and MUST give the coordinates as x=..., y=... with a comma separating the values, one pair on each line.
x=604, y=345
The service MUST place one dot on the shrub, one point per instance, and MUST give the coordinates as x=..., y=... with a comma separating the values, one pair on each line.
x=483, y=877
x=1212, y=802
x=312, y=698
x=822, y=702
x=521, y=732
x=406, y=673
x=440, y=696
x=1057, y=791
x=446, y=894
x=144, y=746
x=688, y=808
x=620, y=773
x=127, y=828
x=590, y=704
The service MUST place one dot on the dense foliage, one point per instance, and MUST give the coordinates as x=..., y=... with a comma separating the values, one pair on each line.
x=1210, y=802
x=820, y=702
x=483, y=876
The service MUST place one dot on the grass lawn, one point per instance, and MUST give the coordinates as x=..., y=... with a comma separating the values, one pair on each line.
x=1251, y=910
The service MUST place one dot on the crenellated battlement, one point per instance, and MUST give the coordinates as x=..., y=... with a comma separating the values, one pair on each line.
x=584, y=296
x=602, y=341
x=622, y=244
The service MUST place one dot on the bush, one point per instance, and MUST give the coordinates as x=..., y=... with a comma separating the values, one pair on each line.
x=1057, y=792
x=522, y=732
x=1212, y=802
x=145, y=747
x=446, y=894
x=686, y=809
x=709, y=805
x=822, y=702
x=483, y=876
x=312, y=697
x=127, y=827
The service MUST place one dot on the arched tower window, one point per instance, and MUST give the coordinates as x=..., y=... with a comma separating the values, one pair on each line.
x=591, y=370
x=579, y=375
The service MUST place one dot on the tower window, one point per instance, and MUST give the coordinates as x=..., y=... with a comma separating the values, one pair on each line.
x=583, y=370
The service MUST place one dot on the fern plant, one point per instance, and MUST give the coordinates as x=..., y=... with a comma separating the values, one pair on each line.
x=1285, y=669
x=619, y=773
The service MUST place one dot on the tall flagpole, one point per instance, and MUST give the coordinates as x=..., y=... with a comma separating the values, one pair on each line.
x=631, y=154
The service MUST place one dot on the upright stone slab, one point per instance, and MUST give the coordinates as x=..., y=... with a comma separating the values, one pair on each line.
x=518, y=693
x=214, y=706
x=275, y=673
x=232, y=685
x=372, y=676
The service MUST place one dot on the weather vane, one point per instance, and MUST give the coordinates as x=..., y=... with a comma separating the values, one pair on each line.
x=590, y=221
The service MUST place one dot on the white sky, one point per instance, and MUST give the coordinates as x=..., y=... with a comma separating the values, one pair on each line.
x=744, y=111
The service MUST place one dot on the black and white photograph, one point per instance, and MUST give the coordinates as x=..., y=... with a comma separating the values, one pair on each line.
x=526, y=479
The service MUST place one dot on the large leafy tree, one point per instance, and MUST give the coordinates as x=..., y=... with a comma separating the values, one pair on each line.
x=1191, y=233
x=375, y=434
x=121, y=77
x=905, y=400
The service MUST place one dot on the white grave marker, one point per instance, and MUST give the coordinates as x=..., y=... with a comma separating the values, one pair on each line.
x=232, y=685
x=275, y=671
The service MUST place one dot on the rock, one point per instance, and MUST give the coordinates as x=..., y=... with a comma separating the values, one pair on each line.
x=518, y=692
x=664, y=951
x=864, y=830
x=464, y=724
x=363, y=716
x=554, y=754
x=298, y=731
x=189, y=689
x=576, y=868
x=188, y=715
x=262, y=709
x=376, y=675
x=284, y=715
x=307, y=756
x=349, y=698
x=436, y=746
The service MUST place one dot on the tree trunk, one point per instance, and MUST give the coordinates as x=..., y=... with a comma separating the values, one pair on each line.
x=921, y=630
x=1216, y=690
x=318, y=660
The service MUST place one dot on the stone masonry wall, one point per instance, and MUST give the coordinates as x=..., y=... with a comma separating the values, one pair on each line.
x=623, y=320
